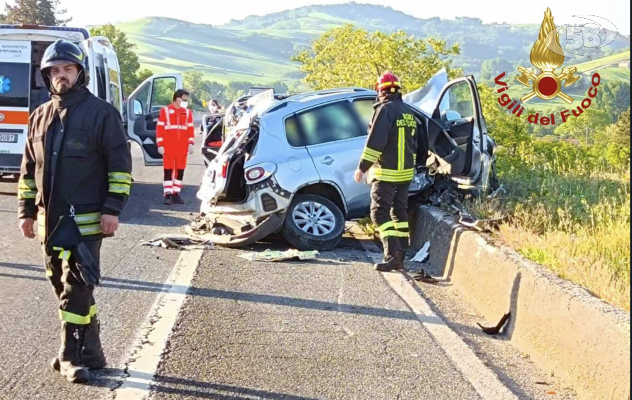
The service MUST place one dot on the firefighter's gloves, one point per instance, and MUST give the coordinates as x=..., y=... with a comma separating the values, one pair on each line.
x=190, y=149
x=161, y=150
x=85, y=268
x=27, y=227
x=109, y=224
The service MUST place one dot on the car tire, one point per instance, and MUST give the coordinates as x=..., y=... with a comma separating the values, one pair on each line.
x=303, y=240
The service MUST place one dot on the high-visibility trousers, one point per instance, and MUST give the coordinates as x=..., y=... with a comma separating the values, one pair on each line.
x=389, y=212
x=76, y=300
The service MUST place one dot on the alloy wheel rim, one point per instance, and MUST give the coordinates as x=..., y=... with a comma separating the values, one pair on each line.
x=314, y=218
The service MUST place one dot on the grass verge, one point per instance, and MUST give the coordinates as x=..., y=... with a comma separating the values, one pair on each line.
x=576, y=223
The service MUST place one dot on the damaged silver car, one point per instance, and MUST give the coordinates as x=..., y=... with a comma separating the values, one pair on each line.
x=287, y=164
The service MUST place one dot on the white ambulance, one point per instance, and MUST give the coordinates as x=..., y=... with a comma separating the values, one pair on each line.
x=22, y=88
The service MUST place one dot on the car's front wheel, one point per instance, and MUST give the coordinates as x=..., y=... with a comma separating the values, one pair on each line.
x=313, y=222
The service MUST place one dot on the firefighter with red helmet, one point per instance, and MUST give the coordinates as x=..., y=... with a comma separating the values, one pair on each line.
x=390, y=157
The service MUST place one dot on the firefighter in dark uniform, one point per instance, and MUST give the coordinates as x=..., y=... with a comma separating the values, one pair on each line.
x=76, y=164
x=390, y=157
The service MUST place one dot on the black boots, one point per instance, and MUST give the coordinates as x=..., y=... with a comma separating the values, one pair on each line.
x=92, y=355
x=69, y=359
x=391, y=262
x=173, y=199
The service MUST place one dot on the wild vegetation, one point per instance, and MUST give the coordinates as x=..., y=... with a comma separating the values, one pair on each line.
x=568, y=204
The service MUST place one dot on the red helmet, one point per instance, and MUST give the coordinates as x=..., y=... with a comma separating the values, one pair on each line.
x=387, y=82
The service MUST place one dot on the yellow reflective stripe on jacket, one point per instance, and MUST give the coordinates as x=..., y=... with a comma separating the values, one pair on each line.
x=401, y=225
x=74, y=318
x=120, y=182
x=120, y=177
x=89, y=224
x=401, y=147
x=389, y=175
x=119, y=188
x=27, y=189
x=370, y=154
x=83, y=219
x=87, y=230
x=93, y=310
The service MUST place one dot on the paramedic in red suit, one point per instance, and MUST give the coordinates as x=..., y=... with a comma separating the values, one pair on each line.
x=175, y=140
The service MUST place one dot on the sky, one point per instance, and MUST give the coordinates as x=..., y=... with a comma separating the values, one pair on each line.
x=217, y=12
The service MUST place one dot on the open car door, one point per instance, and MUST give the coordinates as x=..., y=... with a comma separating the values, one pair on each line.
x=143, y=109
x=456, y=130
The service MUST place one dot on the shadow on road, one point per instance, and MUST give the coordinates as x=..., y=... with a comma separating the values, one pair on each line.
x=127, y=284
x=145, y=206
x=112, y=378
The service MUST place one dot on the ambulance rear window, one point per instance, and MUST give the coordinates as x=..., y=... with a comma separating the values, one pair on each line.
x=14, y=84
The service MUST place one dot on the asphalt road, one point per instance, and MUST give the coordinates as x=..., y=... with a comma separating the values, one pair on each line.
x=330, y=328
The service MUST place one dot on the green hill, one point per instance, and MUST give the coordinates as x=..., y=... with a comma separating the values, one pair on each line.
x=258, y=48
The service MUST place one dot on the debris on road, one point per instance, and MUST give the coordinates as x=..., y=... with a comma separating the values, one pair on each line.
x=495, y=329
x=422, y=255
x=275, y=255
x=184, y=243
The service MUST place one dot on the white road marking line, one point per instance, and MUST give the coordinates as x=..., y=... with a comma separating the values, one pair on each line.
x=484, y=380
x=148, y=348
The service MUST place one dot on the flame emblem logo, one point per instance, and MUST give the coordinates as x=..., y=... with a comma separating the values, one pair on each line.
x=547, y=55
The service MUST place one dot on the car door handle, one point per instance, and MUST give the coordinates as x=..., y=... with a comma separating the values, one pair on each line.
x=327, y=160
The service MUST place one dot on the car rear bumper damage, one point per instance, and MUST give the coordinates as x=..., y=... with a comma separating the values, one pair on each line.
x=236, y=224
x=229, y=232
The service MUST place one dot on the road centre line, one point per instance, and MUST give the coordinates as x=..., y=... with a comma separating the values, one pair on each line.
x=146, y=352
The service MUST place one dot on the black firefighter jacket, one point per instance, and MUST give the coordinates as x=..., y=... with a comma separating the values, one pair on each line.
x=395, y=139
x=76, y=161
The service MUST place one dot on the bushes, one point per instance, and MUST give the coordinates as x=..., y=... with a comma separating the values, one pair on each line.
x=570, y=211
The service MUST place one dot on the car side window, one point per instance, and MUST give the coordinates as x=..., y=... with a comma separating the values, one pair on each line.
x=143, y=99
x=457, y=102
x=162, y=93
x=326, y=124
x=364, y=109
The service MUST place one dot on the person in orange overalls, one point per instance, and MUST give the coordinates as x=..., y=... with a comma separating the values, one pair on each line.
x=175, y=139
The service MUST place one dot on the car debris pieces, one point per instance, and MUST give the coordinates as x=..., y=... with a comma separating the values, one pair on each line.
x=275, y=255
x=184, y=243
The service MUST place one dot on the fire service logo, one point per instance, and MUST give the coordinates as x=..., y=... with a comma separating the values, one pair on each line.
x=546, y=55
